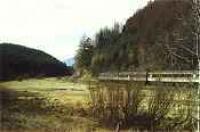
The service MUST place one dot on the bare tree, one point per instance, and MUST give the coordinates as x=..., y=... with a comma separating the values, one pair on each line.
x=194, y=50
x=196, y=18
x=179, y=49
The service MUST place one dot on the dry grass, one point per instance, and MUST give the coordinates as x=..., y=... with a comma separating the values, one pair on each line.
x=48, y=104
x=58, y=104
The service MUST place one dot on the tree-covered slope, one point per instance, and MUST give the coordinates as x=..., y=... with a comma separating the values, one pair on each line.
x=18, y=61
x=157, y=37
x=162, y=35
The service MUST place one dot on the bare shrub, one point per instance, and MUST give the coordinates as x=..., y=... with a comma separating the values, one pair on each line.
x=159, y=105
x=136, y=106
x=112, y=103
x=185, y=106
x=133, y=102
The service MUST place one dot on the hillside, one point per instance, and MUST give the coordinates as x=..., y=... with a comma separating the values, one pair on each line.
x=161, y=33
x=157, y=37
x=18, y=61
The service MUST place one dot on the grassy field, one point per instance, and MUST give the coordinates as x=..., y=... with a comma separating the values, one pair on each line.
x=48, y=104
x=59, y=104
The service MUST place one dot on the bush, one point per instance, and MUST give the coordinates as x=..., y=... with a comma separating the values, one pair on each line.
x=135, y=106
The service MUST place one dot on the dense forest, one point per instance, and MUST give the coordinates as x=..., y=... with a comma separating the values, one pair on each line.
x=21, y=62
x=157, y=37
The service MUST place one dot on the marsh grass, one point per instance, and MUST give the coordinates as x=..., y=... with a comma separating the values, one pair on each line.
x=59, y=104
x=142, y=107
x=45, y=104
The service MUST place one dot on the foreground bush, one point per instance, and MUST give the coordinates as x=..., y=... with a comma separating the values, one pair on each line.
x=137, y=106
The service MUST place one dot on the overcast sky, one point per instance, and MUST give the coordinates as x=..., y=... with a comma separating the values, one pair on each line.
x=56, y=26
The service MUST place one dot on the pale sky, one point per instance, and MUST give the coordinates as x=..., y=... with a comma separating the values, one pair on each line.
x=56, y=26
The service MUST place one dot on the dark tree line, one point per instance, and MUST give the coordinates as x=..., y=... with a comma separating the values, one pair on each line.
x=18, y=62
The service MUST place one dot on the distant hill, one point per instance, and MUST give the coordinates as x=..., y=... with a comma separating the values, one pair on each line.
x=69, y=61
x=19, y=61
